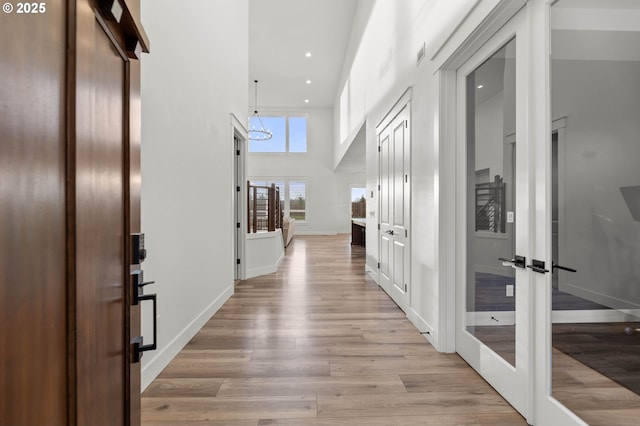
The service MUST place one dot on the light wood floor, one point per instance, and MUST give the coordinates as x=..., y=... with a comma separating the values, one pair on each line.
x=318, y=343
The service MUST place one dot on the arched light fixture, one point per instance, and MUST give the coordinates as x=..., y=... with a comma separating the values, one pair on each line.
x=260, y=134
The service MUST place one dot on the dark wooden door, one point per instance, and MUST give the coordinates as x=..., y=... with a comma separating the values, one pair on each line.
x=33, y=292
x=100, y=223
x=69, y=146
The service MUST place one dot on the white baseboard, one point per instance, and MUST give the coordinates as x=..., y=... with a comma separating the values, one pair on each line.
x=313, y=232
x=264, y=270
x=423, y=326
x=153, y=368
x=373, y=273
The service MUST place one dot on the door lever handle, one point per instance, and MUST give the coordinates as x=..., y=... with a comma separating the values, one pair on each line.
x=390, y=232
x=538, y=266
x=517, y=261
x=564, y=268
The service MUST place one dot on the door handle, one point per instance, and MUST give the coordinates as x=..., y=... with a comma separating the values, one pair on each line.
x=518, y=261
x=390, y=232
x=538, y=266
x=564, y=268
x=138, y=284
x=138, y=342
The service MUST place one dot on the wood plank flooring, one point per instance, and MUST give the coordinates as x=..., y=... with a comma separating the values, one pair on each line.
x=318, y=343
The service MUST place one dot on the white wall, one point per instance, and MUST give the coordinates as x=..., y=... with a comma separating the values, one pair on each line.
x=327, y=213
x=381, y=65
x=194, y=78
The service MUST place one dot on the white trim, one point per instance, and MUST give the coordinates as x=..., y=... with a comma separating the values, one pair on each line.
x=238, y=130
x=372, y=273
x=153, y=368
x=395, y=109
x=423, y=326
x=476, y=29
x=445, y=184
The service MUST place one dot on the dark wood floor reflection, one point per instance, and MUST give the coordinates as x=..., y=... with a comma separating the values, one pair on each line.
x=318, y=343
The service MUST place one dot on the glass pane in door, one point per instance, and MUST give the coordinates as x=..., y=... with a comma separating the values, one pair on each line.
x=595, y=72
x=491, y=147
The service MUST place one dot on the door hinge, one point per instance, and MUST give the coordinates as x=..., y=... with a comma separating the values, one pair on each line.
x=406, y=233
x=405, y=288
x=378, y=227
x=406, y=178
x=237, y=152
x=378, y=148
x=378, y=187
x=238, y=225
x=237, y=189
x=237, y=261
x=378, y=265
x=406, y=123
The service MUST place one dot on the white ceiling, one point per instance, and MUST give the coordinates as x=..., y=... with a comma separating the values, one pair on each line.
x=280, y=34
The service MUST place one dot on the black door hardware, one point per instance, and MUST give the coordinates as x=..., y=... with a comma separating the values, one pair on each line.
x=537, y=266
x=564, y=268
x=138, y=342
x=390, y=232
x=138, y=252
x=138, y=284
x=518, y=261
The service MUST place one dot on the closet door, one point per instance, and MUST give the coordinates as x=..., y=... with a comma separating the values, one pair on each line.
x=395, y=209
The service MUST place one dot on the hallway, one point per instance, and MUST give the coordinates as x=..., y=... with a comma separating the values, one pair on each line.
x=318, y=343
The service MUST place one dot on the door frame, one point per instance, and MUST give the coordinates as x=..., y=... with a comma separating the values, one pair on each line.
x=239, y=205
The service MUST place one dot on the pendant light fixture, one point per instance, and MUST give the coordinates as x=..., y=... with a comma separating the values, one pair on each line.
x=260, y=134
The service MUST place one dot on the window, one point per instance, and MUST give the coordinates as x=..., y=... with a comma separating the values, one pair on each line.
x=278, y=126
x=293, y=196
x=297, y=200
x=358, y=203
x=279, y=184
x=289, y=134
x=297, y=134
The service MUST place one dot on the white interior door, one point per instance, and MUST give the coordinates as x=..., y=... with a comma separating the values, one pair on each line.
x=394, y=150
x=493, y=284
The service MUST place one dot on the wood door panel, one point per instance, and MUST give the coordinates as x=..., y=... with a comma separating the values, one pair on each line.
x=33, y=338
x=100, y=227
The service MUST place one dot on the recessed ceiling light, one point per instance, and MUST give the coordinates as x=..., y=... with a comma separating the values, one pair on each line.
x=306, y=101
x=308, y=55
x=308, y=81
x=480, y=86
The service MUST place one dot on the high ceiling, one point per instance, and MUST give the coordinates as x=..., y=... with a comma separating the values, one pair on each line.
x=281, y=32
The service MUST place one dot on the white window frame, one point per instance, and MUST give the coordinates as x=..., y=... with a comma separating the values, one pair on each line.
x=287, y=118
x=287, y=191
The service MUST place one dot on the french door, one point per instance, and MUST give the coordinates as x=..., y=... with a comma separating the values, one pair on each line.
x=494, y=191
x=548, y=202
